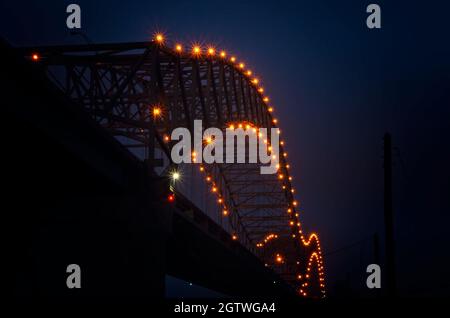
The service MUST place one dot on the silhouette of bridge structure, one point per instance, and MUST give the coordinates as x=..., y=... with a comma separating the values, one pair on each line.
x=109, y=110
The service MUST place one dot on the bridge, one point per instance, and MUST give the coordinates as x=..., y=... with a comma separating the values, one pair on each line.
x=99, y=118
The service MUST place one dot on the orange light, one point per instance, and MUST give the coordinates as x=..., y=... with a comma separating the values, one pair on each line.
x=231, y=126
x=233, y=59
x=270, y=109
x=249, y=72
x=275, y=120
x=159, y=37
x=225, y=212
x=156, y=111
x=196, y=50
x=266, y=99
x=202, y=169
x=241, y=65
x=255, y=81
x=35, y=57
x=178, y=48
x=279, y=258
x=211, y=51
x=261, y=90
x=234, y=237
x=166, y=138
x=223, y=54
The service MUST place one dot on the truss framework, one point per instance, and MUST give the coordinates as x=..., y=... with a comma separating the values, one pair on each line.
x=118, y=84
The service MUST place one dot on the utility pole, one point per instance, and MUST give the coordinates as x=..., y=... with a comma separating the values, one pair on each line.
x=389, y=217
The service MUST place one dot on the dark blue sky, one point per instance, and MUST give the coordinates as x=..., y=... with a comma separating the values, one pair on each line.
x=337, y=87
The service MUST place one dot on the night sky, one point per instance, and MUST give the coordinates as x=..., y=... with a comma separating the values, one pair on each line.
x=337, y=87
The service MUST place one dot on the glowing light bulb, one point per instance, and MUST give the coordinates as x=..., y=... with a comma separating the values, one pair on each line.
x=159, y=37
x=223, y=54
x=35, y=57
x=178, y=48
x=266, y=99
x=241, y=65
x=156, y=111
x=196, y=50
x=211, y=51
x=175, y=176
x=233, y=59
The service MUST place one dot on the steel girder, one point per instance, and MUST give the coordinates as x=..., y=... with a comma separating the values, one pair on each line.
x=118, y=84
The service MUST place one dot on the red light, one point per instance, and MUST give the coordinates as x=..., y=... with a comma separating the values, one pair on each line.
x=35, y=57
x=171, y=198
